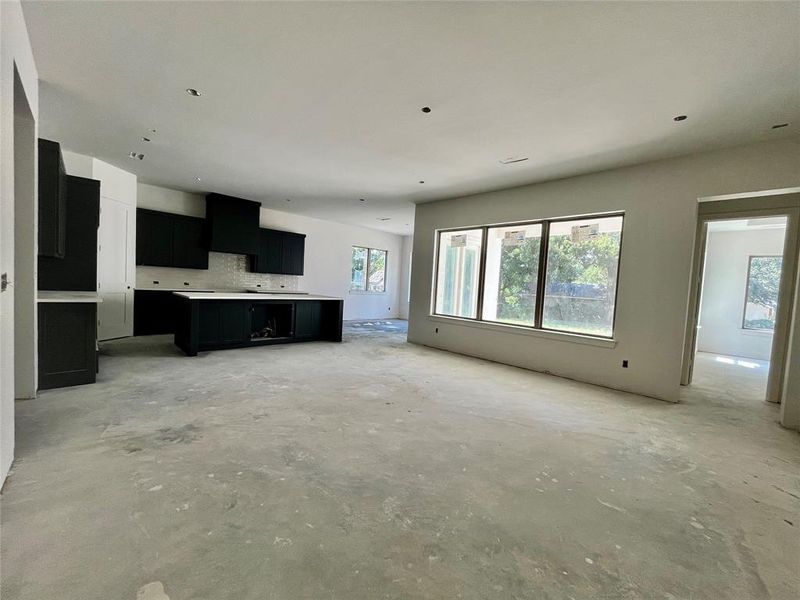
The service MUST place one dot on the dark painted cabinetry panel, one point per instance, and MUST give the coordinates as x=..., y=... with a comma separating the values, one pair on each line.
x=77, y=270
x=153, y=238
x=224, y=322
x=67, y=352
x=169, y=240
x=308, y=319
x=154, y=312
x=188, y=250
x=232, y=224
x=279, y=252
x=52, y=200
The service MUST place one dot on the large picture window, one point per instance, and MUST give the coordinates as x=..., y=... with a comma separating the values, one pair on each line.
x=558, y=274
x=763, y=284
x=368, y=270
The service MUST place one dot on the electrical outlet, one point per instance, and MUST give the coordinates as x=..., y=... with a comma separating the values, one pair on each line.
x=437, y=330
x=3, y=282
x=625, y=364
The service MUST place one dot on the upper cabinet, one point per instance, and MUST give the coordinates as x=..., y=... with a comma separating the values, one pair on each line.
x=77, y=270
x=52, y=200
x=280, y=252
x=170, y=240
x=232, y=224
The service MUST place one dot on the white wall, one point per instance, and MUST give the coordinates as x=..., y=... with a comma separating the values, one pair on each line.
x=15, y=50
x=327, y=257
x=660, y=203
x=405, y=275
x=724, y=283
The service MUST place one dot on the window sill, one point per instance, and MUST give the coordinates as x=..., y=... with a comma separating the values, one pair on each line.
x=560, y=336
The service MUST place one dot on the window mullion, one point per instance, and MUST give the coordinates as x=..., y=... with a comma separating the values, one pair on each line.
x=482, y=272
x=539, y=310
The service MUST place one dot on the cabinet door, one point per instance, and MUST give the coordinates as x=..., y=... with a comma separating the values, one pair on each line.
x=188, y=251
x=52, y=200
x=308, y=319
x=67, y=354
x=293, y=253
x=270, y=251
x=224, y=322
x=153, y=238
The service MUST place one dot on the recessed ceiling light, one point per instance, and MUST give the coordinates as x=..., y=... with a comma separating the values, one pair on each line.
x=362, y=200
x=426, y=109
x=145, y=139
x=197, y=179
x=513, y=159
x=421, y=181
x=193, y=92
x=135, y=155
x=680, y=118
x=152, y=131
x=780, y=125
x=288, y=199
x=384, y=218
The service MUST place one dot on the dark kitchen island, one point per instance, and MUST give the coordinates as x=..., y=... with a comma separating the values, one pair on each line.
x=221, y=320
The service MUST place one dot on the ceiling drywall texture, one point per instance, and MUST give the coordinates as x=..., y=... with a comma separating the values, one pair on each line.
x=321, y=102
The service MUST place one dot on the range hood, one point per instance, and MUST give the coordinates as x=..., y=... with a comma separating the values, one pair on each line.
x=232, y=224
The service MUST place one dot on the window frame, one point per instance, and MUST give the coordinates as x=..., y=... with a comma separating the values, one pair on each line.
x=750, y=258
x=541, y=275
x=367, y=264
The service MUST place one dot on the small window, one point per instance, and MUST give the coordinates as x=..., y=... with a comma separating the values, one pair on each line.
x=511, y=274
x=763, y=284
x=368, y=270
x=581, y=283
x=458, y=272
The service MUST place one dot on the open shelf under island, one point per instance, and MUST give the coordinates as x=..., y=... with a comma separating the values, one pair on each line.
x=221, y=320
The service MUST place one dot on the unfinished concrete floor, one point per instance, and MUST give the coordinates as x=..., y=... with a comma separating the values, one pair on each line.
x=377, y=469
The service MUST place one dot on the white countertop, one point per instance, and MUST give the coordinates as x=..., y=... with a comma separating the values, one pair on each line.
x=68, y=297
x=250, y=296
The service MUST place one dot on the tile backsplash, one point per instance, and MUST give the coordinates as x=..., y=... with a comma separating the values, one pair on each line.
x=225, y=272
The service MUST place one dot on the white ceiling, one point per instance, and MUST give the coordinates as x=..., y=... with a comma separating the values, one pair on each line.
x=320, y=102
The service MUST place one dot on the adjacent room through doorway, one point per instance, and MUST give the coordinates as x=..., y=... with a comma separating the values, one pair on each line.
x=738, y=306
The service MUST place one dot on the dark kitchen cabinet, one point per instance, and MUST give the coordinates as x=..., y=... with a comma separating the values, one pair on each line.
x=169, y=240
x=154, y=312
x=232, y=224
x=67, y=344
x=77, y=270
x=52, y=200
x=153, y=238
x=294, y=245
x=188, y=250
x=279, y=252
x=308, y=319
x=224, y=323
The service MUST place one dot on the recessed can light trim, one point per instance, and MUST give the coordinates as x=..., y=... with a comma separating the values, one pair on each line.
x=193, y=92
x=780, y=125
x=426, y=109
x=680, y=118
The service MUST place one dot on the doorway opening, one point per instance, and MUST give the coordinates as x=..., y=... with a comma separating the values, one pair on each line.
x=739, y=303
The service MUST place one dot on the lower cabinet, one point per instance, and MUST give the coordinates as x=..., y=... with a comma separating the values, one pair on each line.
x=224, y=322
x=218, y=324
x=308, y=320
x=67, y=344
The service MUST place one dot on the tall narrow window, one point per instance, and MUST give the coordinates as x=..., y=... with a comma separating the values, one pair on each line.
x=581, y=281
x=763, y=284
x=376, y=279
x=457, y=273
x=358, y=269
x=511, y=274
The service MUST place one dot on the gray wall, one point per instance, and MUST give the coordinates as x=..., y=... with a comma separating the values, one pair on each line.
x=660, y=203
